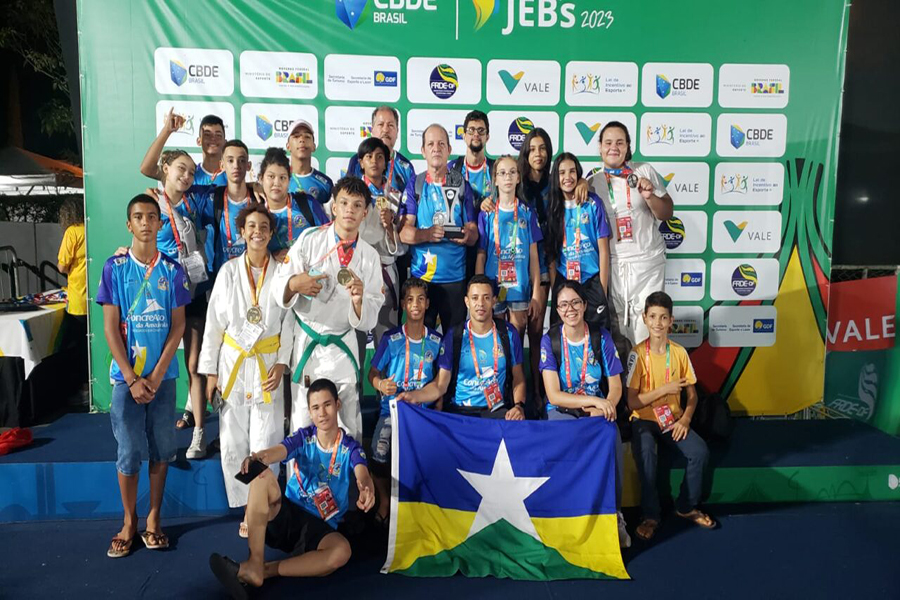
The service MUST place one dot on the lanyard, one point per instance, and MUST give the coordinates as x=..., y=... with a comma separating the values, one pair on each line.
x=668, y=358
x=475, y=353
x=345, y=252
x=145, y=283
x=389, y=182
x=385, y=187
x=421, y=364
x=227, y=220
x=485, y=181
x=620, y=173
x=339, y=246
x=515, y=235
x=577, y=233
x=337, y=444
x=584, y=360
x=254, y=290
x=170, y=212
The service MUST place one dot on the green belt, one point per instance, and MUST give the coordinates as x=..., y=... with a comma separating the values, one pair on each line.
x=319, y=339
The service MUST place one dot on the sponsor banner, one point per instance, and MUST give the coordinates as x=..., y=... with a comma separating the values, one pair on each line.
x=751, y=135
x=256, y=160
x=685, y=232
x=347, y=126
x=685, y=278
x=744, y=279
x=336, y=167
x=291, y=75
x=193, y=112
x=751, y=232
x=452, y=120
x=675, y=134
x=754, y=86
x=742, y=326
x=595, y=83
x=356, y=77
x=523, y=82
x=443, y=80
x=862, y=314
x=581, y=130
x=509, y=128
x=749, y=184
x=686, y=182
x=588, y=166
x=264, y=125
x=687, y=326
x=194, y=71
x=677, y=84
x=852, y=384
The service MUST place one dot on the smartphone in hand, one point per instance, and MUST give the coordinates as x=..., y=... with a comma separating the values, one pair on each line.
x=256, y=467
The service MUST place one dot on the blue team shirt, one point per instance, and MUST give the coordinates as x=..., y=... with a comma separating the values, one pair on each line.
x=147, y=326
x=444, y=261
x=469, y=387
x=390, y=359
x=606, y=365
x=280, y=237
x=404, y=172
x=479, y=179
x=205, y=178
x=315, y=183
x=593, y=227
x=196, y=206
x=527, y=233
x=229, y=246
x=313, y=461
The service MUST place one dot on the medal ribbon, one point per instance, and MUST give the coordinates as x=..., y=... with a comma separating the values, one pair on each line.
x=475, y=355
x=339, y=246
x=170, y=213
x=345, y=252
x=515, y=235
x=584, y=360
x=440, y=195
x=381, y=191
x=145, y=283
x=622, y=172
x=227, y=220
x=254, y=290
x=337, y=445
x=577, y=233
x=668, y=359
x=421, y=364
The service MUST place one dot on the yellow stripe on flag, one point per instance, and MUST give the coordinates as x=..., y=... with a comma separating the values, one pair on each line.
x=426, y=529
x=591, y=541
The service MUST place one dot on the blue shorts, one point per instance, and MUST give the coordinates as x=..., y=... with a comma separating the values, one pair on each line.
x=138, y=426
x=503, y=305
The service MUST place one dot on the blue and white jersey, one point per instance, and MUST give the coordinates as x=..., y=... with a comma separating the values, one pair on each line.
x=606, y=365
x=390, y=359
x=313, y=463
x=230, y=243
x=469, y=386
x=315, y=183
x=196, y=207
x=403, y=170
x=594, y=226
x=204, y=177
x=525, y=233
x=284, y=234
x=479, y=179
x=145, y=310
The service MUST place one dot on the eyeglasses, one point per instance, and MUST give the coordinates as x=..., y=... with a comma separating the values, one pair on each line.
x=573, y=304
x=474, y=130
x=511, y=174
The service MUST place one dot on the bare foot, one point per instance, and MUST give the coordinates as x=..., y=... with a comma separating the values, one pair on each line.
x=249, y=575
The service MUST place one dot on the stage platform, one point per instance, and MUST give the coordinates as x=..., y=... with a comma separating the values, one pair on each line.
x=69, y=470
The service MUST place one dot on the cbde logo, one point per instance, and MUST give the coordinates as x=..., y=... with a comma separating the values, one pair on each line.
x=192, y=73
x=518, y=129
x=744, y=280
x=751, y=135
x=444, y=81
x=353, y=12
x=763, y=325
x=673, y=232
x=679, y=86
x=266, y=127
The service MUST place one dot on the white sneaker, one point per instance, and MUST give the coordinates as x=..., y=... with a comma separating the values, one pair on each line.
x=624, y=538
x=197, y=448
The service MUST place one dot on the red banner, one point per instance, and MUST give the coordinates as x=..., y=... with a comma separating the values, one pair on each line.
x=862, y=314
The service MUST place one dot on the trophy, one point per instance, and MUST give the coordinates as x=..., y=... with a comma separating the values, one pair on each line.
x=452, y=186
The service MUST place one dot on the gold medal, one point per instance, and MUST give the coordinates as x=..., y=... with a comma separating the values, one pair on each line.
x=254, y=315
x=344, y=277
x=382, y=203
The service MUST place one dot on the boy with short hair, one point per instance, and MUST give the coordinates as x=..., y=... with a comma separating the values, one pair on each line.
x=210, y=138
x=658, y=369
x=143, y=295
x=304, y=178
x=303, y=520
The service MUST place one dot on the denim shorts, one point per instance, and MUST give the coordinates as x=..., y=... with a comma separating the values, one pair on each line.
x=503, y=305
x=138, y=426
x=381, y=440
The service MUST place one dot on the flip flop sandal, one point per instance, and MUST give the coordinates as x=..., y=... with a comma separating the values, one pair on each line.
x=155, y=541
x=648, y=527
x=243, y=531
x=698, y=518
x=123, y=551
x=226, y=571
x=186, y=421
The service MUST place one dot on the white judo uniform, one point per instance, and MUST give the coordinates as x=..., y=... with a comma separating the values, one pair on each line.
x=330, y=322
x=637, y=268
x=250, y=419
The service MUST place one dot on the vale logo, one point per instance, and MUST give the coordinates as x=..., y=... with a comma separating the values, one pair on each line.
x=484, y=10
x=667, y=179
x=349, y=11
x=587, y=131
x=509, y=80
x=735, y=229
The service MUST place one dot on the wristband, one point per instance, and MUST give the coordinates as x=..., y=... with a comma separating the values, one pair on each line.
x=134, y=381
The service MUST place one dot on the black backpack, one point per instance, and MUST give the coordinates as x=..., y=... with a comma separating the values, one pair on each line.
x=454, y=188
x=712, y=418
x=503, y=334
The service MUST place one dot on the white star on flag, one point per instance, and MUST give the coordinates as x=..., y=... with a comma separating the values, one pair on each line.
x=503, y=495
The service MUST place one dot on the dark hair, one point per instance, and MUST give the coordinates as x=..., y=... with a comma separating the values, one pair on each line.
x=391, y=109
x=617, y=124
x=413, y=283
x=524, y=167
x=212, y=121
x=322, y=385
x=236, y=143
x=254, y=207
x=353, y=186
x=274, y=156
x=142, y=199
x=370, y=145
x=433, y=126
x=71, y=212
x=556, y=208
x=480, y=280
x=476, y=115
x=661, y=299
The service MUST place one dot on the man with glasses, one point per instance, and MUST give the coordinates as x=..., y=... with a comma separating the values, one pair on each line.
x=475, y=167
x=438, y=222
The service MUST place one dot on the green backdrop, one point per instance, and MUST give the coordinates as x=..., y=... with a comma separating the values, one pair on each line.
x=737, y=104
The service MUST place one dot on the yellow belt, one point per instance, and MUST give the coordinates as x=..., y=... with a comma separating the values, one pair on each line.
x=264, y=346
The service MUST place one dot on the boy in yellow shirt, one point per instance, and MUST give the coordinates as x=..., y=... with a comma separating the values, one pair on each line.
x=658, y=369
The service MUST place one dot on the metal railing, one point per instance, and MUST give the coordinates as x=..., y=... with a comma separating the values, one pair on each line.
x=10, y=263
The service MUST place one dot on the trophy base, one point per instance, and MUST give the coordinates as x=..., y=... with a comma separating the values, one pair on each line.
x=453, y=233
